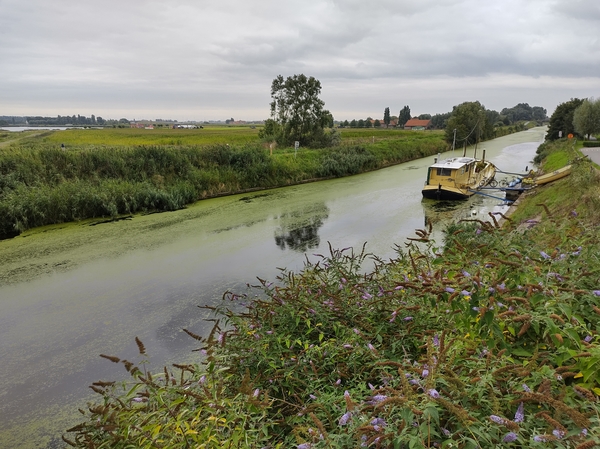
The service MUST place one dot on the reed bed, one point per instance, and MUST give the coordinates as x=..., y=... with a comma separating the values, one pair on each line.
x=42, y=184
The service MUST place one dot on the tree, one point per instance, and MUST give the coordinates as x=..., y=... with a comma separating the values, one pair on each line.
x=438, y=121
x=298, y=110
x=469, y=119
x=353, y=124
x=520, y=112
x=386, y=117
x=586, y=118
x=377, y=123
x=539, y=113
x=561, y=122
x=424, y=117
x=403, y=116
x=345, y=124
x=361, y=123
x=368, y=122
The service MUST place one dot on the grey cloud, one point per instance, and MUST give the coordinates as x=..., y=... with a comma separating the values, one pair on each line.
x=161, y=54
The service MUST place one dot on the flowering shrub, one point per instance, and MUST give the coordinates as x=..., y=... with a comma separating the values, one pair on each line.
x=492, y=343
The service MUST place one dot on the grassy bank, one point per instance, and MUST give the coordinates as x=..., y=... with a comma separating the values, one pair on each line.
x=115, y=172
x=491, y=341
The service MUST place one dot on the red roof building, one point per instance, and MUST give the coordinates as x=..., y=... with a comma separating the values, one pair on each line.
x=416, y=124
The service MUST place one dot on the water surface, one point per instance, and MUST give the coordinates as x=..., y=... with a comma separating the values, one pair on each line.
x=71, y=292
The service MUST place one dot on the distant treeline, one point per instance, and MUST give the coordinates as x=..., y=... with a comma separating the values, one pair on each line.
x=522, y=112
x=78, y=120
x=41, y=184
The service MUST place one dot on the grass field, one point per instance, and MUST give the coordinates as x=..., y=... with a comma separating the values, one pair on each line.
x=119, y=171
x=158, y=136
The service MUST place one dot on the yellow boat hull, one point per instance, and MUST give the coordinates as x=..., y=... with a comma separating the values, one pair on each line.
x=556, y=174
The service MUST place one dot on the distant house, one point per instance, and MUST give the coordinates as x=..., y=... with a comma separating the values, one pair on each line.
x=417, y=125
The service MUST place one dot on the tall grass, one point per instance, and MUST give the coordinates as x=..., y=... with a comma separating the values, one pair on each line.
x=41, y=184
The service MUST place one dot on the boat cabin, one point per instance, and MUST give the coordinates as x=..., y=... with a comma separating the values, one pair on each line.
x=457, y=177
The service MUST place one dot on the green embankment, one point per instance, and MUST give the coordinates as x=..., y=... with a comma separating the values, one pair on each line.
x=491, y=342
x=113, y=172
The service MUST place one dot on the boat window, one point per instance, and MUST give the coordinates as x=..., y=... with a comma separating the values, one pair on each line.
x=444, y=172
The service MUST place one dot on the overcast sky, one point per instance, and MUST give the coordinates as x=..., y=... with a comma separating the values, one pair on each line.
x=200, y=60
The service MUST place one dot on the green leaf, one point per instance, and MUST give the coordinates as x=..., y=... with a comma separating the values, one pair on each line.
x=521, y=352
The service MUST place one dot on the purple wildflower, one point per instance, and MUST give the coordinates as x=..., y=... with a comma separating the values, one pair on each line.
x=378, y=398
x=312, y=396
x=347, y=394
x=425, y=373
x=378, y=422
x=596, y=292
x=497, y=419
x=492, y=290
x=433, y=393
x=540, y=438
x=256, y=393
x=137, y=399
x=356, y=331
x=466, y=273
x=344, y=280
x=446, y=432
x=465, y=293
x=526, y=388
x=544, y=255
x=560, y=434
x=399, y=287
x=345, y=418
x=408, y=318
x=339, y=381
x=509, y=437
x=304, y=446
x=371, y=347
x=366, y=296
x=520, y=415
x=449, y=289
x=202, y=380
x=347, y=346
x=588, y=339
x=436, y=340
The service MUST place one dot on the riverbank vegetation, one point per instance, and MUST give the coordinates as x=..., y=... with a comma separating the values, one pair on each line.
x=115, y=172
x=490, y=339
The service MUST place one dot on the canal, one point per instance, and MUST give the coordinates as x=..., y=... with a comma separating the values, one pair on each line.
x=71, y=292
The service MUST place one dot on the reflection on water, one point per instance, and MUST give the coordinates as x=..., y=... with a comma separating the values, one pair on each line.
x=298, y=230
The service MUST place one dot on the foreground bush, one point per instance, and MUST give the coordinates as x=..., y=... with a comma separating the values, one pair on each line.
x=492, y=344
